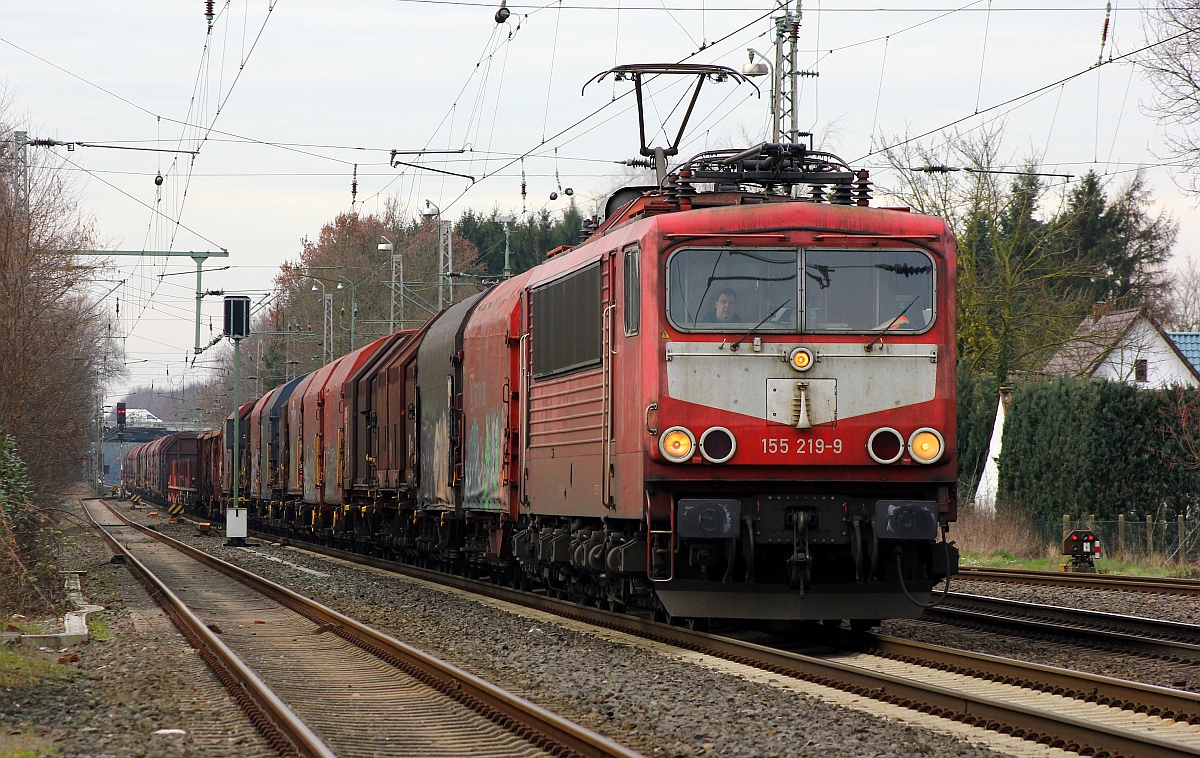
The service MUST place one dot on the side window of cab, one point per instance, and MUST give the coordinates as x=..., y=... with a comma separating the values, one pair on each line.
x=633, y=290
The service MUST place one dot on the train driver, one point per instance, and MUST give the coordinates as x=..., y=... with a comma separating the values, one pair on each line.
x=724, y=309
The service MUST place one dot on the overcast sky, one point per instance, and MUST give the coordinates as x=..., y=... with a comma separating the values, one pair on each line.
x=282, y=100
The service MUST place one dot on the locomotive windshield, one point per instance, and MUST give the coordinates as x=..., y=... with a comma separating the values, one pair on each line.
x=867, y=290
x=731, y=290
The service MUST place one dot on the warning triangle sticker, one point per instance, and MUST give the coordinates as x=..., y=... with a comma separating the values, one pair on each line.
x=665, y=335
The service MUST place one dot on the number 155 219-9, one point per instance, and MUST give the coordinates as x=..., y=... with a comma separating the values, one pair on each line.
x=779, y=446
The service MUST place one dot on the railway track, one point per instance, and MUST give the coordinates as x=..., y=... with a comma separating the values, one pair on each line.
x=339, y=688
x=1170, y=640
x=1088, y=713
x=1152, y=584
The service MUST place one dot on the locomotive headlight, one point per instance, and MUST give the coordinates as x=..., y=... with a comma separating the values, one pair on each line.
x=676, y=444
x=926, y=445
x=801, y=359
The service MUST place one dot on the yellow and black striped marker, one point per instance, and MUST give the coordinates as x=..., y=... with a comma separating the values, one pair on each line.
x=175, y=509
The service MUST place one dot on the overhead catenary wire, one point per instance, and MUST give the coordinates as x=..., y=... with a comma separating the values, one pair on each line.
x=879, y=90
x=987, y=26
x=1028, y=94
x=601, y=108
x=550, y=73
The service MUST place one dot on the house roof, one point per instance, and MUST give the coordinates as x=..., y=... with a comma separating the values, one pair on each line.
x=1188, y=344
x=1096, y=337
x=1099, y=334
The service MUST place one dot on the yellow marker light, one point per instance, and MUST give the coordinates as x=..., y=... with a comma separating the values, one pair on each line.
x=926, y=445
x=676, y=444
x=801, y=359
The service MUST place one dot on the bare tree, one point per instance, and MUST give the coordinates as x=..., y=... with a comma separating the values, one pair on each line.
x=1172, y=64
x=57, y=344
x=56, y=349
x=1181, y=306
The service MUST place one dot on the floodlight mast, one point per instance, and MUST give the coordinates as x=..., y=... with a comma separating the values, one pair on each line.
x=636, y=73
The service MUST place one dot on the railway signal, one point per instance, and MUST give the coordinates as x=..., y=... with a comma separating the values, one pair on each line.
x=237, y=328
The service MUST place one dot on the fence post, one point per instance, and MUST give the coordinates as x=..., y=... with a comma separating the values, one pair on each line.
x=1179, y=521
x=1121, y=536
x=1149, y=534
x=1066, y=525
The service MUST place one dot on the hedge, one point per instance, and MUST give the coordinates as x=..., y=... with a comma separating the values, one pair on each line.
x=1084, y=447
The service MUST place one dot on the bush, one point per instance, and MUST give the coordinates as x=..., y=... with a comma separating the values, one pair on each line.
x=1084, y=447
x=27, y=568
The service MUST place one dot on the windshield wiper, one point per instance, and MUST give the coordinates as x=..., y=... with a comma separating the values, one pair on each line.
x=742, y=339
x=870, y=345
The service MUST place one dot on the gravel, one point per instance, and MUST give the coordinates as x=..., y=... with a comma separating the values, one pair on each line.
x=1182, y=608
x=124, y=689
x=655, y=704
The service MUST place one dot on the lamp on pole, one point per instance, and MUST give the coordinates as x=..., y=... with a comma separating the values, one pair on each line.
x=764, y=68
x=342, y=282
x=327, y=308
x=445, y=251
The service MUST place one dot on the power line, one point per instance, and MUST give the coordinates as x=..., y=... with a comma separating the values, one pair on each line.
x=140, y=202
x=1030, y=93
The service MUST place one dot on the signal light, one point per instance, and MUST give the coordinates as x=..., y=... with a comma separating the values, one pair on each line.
x=801, y=359
x=717, y=445
x=885, y=445
x=121, y=416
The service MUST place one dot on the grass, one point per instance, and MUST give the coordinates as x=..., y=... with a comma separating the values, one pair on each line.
x=98, y=628
x=1005, y=540
x=24, y=745
x=19, y=667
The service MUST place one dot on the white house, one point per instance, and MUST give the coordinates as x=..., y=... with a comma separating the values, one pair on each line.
x=1117, y=346
x=1124, y=346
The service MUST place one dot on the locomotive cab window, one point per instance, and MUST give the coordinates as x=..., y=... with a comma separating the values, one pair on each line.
x=732, y=290
x=868, y=290
x=633, y=291
x=854, y=291
x=566, y=324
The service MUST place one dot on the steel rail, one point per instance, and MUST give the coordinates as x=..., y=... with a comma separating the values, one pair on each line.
x=1157, y=637
x=1011, y=718
x=551, y=730
x=1121, y=582
x=270, y=715
x=1164, y=702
